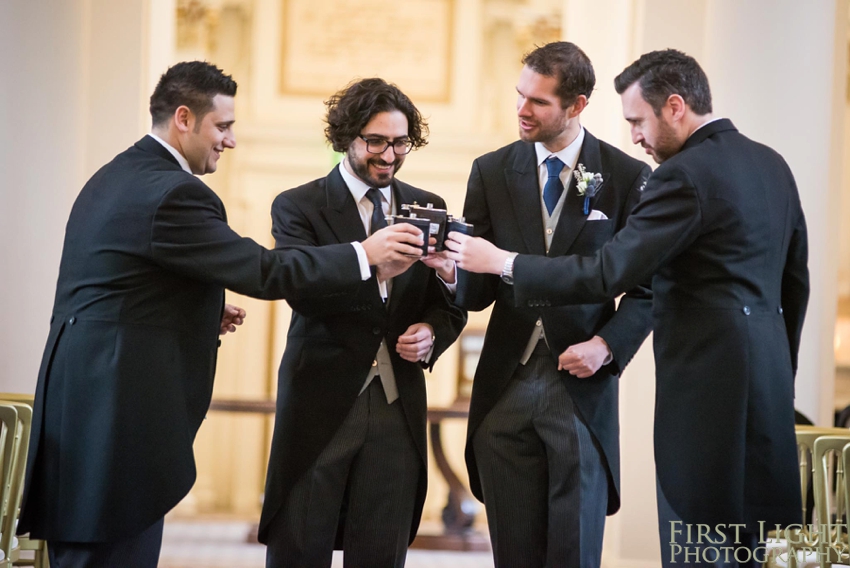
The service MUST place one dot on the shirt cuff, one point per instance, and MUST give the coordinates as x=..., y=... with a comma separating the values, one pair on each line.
x=610, y=356
x=427, y=358
x=363, y=260
x=452, y=288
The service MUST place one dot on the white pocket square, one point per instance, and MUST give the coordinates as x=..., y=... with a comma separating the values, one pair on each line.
x=597, y=215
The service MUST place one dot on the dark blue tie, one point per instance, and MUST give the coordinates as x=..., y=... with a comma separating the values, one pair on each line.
x=554, y=188
x=379, y=221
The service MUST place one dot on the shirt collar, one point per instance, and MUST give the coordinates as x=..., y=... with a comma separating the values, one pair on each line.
x=177, y=155
x=568, y=155
x=358, y=187
x=706, y=123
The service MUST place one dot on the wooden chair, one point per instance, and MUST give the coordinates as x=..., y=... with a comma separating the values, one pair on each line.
x=23, y=405
x=798, y=541
x=9, y=434
x=830, y=501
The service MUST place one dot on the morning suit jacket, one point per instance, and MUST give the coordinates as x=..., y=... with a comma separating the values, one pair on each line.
x=331, y=345
x=503, y=203
x=127, y=372
x=721, y=228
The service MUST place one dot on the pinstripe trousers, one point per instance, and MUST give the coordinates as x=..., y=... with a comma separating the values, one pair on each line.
x=140, y=551
x=543, y=477
x=372, y=467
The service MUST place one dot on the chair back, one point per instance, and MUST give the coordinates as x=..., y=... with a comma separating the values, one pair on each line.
x=830, y=501
x=23, y=405
x=9, y=446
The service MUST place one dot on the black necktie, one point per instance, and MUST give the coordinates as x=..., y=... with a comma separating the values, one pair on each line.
x=378, y=219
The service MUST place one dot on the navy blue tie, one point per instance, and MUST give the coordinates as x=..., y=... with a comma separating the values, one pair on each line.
x=554, y=188
x=379, y=221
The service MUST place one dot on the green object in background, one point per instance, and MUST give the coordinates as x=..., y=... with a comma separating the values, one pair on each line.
x=336, y=157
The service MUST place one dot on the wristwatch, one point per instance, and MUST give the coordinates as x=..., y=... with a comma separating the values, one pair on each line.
x=508, y=269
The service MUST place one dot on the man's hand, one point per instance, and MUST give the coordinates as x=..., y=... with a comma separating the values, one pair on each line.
x=440, y=262
x=232, y=316
x=584, y=359
x=393, y=268
x=475, y=254
x=392, y=243
x=416, y=342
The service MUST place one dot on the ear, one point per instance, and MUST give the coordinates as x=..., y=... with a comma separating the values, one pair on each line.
x=184, y=118
x=677, y=106
x=579, y=105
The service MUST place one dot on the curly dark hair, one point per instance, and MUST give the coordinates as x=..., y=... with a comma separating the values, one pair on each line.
x=664, y=73
x=568, y=64
x=350, y=109
x=190, y=83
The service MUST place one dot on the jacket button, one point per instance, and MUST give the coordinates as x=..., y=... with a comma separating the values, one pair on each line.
x=72, y=321
x=376, y=331
x=746, y=310
x=375, y=363
x=539, y=323
x=779, y=310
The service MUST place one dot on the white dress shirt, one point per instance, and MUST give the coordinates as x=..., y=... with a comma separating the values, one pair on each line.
x=382, y=365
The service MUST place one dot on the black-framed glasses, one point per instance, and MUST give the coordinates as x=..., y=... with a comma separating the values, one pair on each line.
x=379, y=145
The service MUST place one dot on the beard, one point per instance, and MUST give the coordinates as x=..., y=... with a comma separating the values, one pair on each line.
x=545, y=131
x=666, y=144
x=360, y=167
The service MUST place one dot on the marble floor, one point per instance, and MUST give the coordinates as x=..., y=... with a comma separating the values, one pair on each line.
x=221, y=544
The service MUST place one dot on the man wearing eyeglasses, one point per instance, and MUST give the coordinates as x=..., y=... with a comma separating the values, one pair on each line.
x=347, y=466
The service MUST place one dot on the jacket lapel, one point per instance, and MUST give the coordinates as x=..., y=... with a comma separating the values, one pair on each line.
x=524, y=190
x=401, y=195
x=572, y=218
x=341, y=212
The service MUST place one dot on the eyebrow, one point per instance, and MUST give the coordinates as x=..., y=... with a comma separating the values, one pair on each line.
x=382, y=137
x=533, y=99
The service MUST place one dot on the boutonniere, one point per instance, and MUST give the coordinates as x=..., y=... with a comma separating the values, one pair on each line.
x=587, y=184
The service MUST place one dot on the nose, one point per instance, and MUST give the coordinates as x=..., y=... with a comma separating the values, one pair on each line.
x=522, y=107
x=388, y=155
x=637, y=137
x=230, y=140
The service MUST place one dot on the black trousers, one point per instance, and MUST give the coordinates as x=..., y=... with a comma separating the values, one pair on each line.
x=140, y=551
x=543, y=476
x=373, y=466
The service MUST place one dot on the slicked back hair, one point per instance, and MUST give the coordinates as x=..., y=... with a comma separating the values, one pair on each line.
x=568, y=64
x=190, y=83
x=664, y=73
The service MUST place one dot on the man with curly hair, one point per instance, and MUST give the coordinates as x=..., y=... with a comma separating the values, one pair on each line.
x=348, y=460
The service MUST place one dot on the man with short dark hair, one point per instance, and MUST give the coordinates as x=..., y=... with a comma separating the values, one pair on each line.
x=128, y=368
x=348, y=459
x=721, y=232
x=543, y=438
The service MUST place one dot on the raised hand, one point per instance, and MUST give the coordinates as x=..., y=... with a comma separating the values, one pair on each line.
x=444, y=266
x=393, y=243
x=475, y=254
